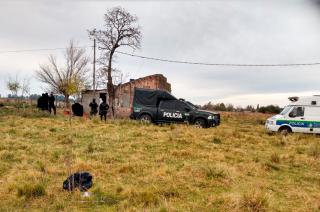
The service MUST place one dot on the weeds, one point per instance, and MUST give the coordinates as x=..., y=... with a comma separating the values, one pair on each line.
x=314, y=150
x=213, y=172
x=216, y=140
x=254, y=201
x=31, y=190
x=101, y=197
x=275, y=158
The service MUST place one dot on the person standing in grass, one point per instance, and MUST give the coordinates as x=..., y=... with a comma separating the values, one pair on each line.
x=94, y=108
x=103, y=110
x=51, y=104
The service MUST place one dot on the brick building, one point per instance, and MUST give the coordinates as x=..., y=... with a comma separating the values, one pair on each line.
x=124, y=93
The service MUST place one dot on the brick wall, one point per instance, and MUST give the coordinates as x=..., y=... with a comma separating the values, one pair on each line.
x=124, y=92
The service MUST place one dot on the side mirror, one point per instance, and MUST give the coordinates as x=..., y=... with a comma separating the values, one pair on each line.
x=292, y=114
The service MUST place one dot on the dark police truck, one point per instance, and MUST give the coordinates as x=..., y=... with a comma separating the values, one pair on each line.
x=159, y=106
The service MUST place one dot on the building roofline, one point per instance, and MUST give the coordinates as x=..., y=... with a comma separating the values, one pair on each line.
x=126, y=83
x=143, y=78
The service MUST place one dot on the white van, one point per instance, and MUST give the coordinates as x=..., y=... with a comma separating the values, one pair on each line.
x=302, y=115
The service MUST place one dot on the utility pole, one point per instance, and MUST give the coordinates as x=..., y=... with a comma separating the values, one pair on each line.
x=94, y=68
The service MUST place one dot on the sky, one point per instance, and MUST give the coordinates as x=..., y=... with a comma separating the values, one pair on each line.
x=216, y=31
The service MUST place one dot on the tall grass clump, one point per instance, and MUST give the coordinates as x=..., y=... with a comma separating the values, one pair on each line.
x=213, y=172
x=31, y=190
x=254, y=201
x=275, y=158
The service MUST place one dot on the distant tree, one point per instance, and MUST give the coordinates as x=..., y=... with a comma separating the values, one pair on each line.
x=270, y=109
x=69, y=79
x=250, y=108
x=18, y=87
x=121, y=29
x=13, y=86
x=229, y=107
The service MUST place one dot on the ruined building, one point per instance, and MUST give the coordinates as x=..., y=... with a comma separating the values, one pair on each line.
x=124, y=93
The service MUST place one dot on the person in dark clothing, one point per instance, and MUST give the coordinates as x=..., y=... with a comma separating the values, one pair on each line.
x=77, y=109
x=103, y=110
x=94, y=107
x=52, y=106
x=43, y=102
x=40, y=102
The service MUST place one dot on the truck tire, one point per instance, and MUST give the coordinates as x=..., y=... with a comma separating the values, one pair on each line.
x=145, y=118
x=285, y=130
x=200, y=123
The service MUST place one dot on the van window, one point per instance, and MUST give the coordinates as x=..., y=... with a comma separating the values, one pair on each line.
x=285, y=110
x=313, y=102
x=297, y=112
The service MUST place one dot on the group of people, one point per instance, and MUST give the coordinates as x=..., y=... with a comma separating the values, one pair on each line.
x=103, y=109
x=46, y=102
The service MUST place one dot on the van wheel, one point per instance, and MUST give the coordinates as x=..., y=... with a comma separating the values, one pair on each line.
x=200, y=123
x=285, y=130
x=145, y=118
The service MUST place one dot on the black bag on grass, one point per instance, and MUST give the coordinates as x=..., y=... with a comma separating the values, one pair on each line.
x=81, y=180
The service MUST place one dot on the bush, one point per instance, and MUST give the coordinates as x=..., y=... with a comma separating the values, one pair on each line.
x=270, y=109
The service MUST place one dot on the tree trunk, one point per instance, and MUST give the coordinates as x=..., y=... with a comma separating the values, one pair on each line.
x=66, y=100
x=110, y=84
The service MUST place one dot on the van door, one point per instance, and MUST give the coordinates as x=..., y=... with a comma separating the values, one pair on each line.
x=297, y=120
x=312, y=115
x=168, y=112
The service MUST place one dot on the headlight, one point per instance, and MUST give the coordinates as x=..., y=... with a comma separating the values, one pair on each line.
x=210, y=117
x=271, y=122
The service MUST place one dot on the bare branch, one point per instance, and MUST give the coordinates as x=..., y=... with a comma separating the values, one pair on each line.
x=69, y=79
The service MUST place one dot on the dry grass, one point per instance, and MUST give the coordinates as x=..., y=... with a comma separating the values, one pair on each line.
x=234, y=167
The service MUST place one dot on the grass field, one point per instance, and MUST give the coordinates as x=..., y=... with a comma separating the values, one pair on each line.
x=234, y=167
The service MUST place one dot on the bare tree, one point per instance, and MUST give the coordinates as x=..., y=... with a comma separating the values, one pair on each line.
x=121, y=29
x=69, y=79
x=13, y=85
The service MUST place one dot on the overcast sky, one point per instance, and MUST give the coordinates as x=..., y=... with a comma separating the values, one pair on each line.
x=228, y=31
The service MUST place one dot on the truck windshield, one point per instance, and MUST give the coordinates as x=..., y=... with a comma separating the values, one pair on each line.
x=285, y=110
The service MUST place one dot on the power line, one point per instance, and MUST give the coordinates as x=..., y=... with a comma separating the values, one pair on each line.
x=38, y=50
x=218, y=64
x=176, y=61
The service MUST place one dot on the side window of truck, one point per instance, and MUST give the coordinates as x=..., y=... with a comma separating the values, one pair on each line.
x=297, y=112
x=180, y=106
x=167, y=105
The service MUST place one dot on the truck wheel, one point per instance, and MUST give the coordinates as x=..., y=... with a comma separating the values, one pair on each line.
x=145, y=118
x=285, y=130
x=200, y=123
